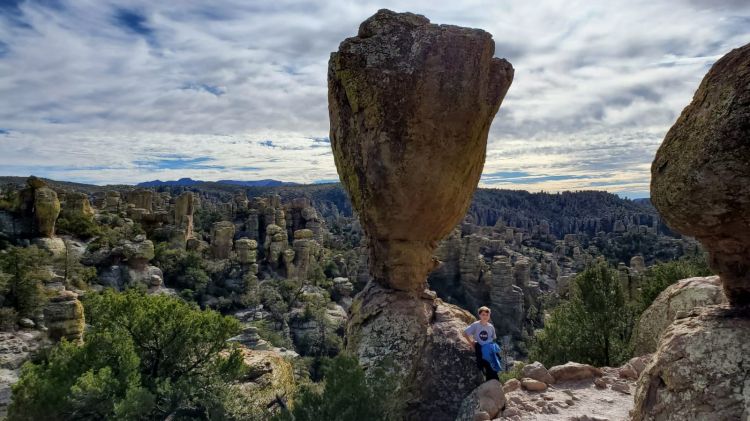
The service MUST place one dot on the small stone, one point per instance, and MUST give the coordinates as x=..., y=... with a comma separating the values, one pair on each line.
x=482, y=416
x=621, y=387
x=533, y=385
x=511, y=385
x=600, y=383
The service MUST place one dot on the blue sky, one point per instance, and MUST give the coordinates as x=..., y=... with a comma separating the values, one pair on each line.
x=104, y=91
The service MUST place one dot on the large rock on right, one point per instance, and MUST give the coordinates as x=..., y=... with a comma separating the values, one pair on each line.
x=682, y=296
x=701, y=370
x=700, y=178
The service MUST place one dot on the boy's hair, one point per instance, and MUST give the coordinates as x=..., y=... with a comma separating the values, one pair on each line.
x=484, y=308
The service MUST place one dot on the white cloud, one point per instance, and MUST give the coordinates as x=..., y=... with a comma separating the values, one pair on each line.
x=88, y=98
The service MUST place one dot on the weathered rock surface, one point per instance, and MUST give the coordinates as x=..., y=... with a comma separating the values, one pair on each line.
x=63, y=315
x=681, y=296
x=183, y=213
x=701, y=370
x=700, y=178
x=410, y=105
x=222, y=233
x=269, y=377
x=423, y=339
x=46, y=210
x=488, y=398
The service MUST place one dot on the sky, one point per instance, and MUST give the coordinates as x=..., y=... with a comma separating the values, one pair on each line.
x=106, y=92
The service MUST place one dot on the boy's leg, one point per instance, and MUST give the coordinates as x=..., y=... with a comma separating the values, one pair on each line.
x=478, y=354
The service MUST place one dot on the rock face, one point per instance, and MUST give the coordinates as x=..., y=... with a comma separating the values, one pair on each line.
x=700, y=178
x=183, y=213
x=506, y=298
x=700, y=370
x=410, y=105
x=422, y=337
x=682, y=296
x=222, y=233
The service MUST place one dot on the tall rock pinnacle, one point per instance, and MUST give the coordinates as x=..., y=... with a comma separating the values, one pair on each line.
x=411, y=105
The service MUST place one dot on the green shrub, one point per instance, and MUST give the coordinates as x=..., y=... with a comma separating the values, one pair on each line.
x=660, y=276
x=515, y=373
x=347, y=395
x=78, y=225
x=593, y=327
x=26, y=270
x=8, y=319
x=144, y=357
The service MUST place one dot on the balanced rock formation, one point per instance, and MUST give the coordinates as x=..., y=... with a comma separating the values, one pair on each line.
x=700, y=178
x=680, y=297
x=701, y=185
x=411, y=104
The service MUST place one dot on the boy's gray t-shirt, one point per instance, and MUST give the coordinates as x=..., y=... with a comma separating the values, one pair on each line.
x=482, y=333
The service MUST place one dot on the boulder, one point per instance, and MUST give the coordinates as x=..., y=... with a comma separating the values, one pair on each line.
x=488, y=398
x=700, y=177
x=537, y=371
x=574, y=371
x=533, y=385
x=700, y=370
x=269, y=377
x=511, y=385
x=681, y=296
x=410, y=105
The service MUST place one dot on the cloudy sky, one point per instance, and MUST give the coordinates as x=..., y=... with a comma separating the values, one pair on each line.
x=104, y=91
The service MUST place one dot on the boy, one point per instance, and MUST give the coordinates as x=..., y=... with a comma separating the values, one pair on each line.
x=482, y=335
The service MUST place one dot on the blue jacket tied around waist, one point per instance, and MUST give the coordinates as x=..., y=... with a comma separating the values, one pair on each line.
x=490, y=352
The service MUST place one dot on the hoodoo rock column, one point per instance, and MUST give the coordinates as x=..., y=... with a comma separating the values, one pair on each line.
x=411, y=104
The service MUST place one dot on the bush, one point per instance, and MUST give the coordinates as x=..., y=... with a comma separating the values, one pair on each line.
x=515, y=373
x=347, y=395
x=8, y=319
x=144, y=357
x=659, y=277
x=77, y=225
x=25, y=270
x=593, y=327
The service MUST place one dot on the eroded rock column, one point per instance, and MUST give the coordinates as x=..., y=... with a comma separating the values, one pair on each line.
x=411, y=104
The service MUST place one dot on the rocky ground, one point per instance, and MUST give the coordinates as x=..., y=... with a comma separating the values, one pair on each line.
x=15, y=348
x=578, y=400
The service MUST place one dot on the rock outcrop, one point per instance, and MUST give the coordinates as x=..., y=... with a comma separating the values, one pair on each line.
x=700, y=370
x=700, y=178
x=410, y=105
x=422, y=338
x=680, y=297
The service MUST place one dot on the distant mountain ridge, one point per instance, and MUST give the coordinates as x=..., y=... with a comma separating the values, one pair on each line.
x=187, y=182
